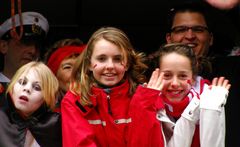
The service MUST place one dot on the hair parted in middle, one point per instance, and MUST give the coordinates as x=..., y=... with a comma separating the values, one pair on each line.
x=82, y=78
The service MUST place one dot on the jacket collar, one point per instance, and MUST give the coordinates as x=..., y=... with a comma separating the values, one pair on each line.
x=122, y=88
x=29, y=121
x=98, y=91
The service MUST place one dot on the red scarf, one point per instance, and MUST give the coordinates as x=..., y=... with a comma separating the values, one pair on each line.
x=175, y=109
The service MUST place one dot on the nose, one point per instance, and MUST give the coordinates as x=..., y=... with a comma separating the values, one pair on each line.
x=110, y=64
x=175, y=83
x=189, y=34
x=27, y=88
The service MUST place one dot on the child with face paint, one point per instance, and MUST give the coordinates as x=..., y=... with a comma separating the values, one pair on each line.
x=190, y=119
x=106, y=78
x=27, y=118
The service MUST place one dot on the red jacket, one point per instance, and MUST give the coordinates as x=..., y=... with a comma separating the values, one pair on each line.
x=145, y=130
x=107, y=122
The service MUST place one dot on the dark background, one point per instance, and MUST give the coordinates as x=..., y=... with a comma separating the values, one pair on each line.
x=145, y=22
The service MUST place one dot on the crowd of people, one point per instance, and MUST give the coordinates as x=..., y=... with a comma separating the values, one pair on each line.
x=105, y=92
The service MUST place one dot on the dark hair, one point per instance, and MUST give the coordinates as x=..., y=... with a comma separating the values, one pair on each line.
x=203, y=63
x=181, y=49
x=189, y=6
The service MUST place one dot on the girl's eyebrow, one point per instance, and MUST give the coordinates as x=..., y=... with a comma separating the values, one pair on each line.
x=37, y=82
x=118, y=56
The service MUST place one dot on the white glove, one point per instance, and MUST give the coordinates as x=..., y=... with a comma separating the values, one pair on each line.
x=214, y=98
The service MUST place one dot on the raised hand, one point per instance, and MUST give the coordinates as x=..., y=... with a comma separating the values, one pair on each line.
x=222, y=82
x=215, y=96
x=156, y=81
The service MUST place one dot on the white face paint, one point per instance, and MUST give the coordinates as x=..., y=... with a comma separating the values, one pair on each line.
x=27, y=93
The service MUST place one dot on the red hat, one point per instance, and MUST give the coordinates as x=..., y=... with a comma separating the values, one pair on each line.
x=60, y=54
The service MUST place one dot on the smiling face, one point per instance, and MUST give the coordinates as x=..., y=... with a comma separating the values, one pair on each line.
x=177, y=76
x=27, y=93
x=198, y=37
x=107, y=63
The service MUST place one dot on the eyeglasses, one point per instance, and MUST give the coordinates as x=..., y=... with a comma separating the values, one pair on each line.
x=184, y=29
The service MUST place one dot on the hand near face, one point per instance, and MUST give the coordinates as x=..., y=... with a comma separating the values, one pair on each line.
x=156, y=81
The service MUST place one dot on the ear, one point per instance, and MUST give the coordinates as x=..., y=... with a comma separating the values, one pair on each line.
x=3, y=46
x=168, y=37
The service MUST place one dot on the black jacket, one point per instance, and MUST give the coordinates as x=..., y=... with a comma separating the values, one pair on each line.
x=44, y=125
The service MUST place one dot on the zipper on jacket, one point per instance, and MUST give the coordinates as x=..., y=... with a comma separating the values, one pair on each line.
x=109, y=105
x=108, y=91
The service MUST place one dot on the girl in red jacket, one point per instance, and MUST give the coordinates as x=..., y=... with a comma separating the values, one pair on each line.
x=96, y=110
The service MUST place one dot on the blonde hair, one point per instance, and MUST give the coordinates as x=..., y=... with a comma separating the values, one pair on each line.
x=81, y=76
x=49, y=82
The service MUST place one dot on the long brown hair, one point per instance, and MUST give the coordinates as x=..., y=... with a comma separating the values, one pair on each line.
x=82, y=79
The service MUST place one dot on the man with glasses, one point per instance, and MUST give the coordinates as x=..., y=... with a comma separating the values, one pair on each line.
x=189, y=25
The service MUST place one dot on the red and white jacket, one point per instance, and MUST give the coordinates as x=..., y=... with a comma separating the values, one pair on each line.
x=206, y=113
x=112, y=121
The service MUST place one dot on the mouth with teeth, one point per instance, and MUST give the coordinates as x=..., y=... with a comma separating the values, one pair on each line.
x=192, y=45
x=175, y=93
x=109, y=75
